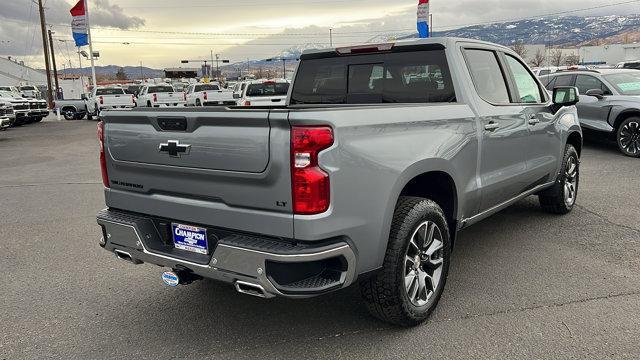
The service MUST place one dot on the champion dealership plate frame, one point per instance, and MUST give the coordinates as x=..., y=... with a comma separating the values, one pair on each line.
x=190, y=238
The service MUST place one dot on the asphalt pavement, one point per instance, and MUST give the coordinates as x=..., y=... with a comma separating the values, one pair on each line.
x=523, y=284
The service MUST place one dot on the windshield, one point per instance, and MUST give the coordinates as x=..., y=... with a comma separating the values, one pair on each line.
x=268, y=89
x=160, y=89
x=110, y=91
x=625, y=83
x=207, y=87
x=28, y=88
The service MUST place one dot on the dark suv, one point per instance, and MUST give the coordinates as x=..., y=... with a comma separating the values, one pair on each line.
x=609, y=102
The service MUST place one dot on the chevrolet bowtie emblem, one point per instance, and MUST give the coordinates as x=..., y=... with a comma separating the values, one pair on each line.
x=174, y=148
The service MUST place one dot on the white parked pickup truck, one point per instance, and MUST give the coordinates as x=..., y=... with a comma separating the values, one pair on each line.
x=263, y=93
x=209, y=95
x=163, y=95
x=108, y=98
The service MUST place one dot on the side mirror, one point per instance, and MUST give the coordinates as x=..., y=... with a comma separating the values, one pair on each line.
x=596, y=93
x=236, y=96
x=565, y=96
x=83, y=97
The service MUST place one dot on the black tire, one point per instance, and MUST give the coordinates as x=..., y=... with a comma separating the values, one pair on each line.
x=384, y=294
x=69, y=114
x=149, y=104
x=628, y=137
x=78, y=116
x=198, y=103
x=554, y=200
x=38, y=119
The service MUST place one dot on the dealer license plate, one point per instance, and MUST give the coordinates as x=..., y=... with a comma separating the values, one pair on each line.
x=190, y=238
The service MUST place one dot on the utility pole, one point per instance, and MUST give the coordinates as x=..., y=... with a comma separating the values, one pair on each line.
x=46, y=53
x=141, y=73
x=55, y=69
x=330, y=37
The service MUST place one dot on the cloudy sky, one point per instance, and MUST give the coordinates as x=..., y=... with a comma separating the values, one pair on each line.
x=162, y=32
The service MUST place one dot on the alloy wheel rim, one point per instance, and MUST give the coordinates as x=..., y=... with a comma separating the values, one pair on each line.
x=423, y=263
x=571, y=181
x=630, y=137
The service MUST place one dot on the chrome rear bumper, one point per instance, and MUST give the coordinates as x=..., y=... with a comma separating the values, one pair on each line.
x=248, y=262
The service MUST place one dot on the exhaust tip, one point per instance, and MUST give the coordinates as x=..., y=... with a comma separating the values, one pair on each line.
x=123, y=255
x=250, y=289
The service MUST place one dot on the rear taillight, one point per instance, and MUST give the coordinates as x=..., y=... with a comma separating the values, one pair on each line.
x=310, y=184
x=205, y=96
x=103, y=160
x=155, y=97
x=101, y=100
x=184, y=96
x=246, y=103
x=133, y=99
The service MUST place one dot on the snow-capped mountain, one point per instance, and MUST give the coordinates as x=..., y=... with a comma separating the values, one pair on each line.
x=559, y=30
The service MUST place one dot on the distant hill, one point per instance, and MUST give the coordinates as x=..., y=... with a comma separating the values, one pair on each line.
x=133, y=72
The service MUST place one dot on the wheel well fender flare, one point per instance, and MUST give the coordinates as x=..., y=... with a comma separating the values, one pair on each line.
x=619, y=114
x=413, y=171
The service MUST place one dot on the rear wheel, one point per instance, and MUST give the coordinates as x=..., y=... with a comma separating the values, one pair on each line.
x=415, y=267
x=561, y=198
x=628, y=137
x=198, y=103
x=69, y=114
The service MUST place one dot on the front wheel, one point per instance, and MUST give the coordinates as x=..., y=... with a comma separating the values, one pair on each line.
x=628, y=137
x=415, y=267
x=561, y=197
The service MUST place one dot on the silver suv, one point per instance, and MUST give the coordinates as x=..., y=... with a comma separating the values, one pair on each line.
x=609, y=103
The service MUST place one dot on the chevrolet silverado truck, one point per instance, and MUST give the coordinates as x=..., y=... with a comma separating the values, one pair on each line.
x=163, y=95
x=380, y=156
x=102, y=98
x=208, y=95
x=263, y=93
x=20, y=106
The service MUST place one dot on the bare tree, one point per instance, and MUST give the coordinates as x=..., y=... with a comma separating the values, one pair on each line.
x=519, y=49
x=538, y=58
x=557, y=57
x=572, y=59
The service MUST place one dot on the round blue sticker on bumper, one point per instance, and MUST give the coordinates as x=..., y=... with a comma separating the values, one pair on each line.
x=170, y=278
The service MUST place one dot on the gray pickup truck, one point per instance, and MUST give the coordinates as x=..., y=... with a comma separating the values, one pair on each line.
x=381, y=155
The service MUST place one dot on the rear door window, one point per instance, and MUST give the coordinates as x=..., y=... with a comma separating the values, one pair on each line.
x=527, y=87
x=487, y=76
x=409, y=77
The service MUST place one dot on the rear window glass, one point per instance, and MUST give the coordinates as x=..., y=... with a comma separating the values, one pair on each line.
x=28, y=88
x=206, y=87
x=487, y=76
x=408, y=77
x=268, y=89
x=110, y=91
x=159, y=89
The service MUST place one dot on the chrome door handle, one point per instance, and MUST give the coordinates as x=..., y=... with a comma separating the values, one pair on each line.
x=533, y=120
x=492, y=126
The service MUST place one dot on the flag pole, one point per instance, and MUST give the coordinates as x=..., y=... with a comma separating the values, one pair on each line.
x=93, y=66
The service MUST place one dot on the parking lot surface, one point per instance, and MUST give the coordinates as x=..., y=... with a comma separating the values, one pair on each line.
x=523, y=284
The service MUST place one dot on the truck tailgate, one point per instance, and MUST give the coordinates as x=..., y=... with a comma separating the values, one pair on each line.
x=214, y=163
